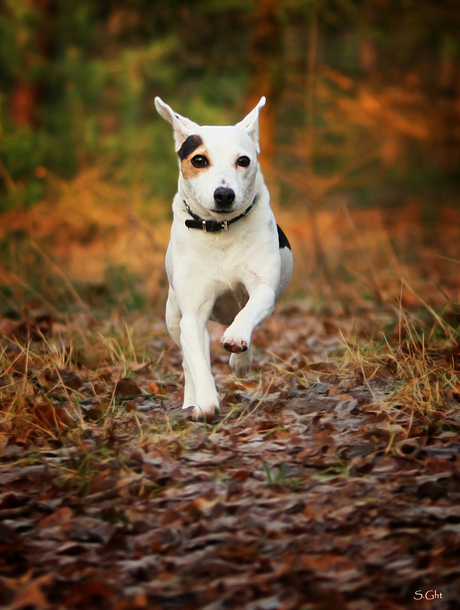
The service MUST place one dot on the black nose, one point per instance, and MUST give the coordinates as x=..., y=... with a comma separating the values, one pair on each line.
x=224, y=197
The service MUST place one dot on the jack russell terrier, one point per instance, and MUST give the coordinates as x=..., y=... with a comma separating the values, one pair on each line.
x=227, y=259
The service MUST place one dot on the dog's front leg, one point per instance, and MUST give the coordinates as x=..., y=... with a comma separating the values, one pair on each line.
x=194, y=339
x=237, y=337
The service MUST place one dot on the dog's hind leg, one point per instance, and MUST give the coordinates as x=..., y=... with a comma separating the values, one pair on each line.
x=173, y=317
x=241, y=363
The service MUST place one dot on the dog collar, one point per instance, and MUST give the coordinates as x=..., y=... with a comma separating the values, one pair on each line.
x=212, y=226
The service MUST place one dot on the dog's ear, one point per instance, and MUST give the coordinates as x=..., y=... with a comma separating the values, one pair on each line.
x=250, y=123
x=182, y=127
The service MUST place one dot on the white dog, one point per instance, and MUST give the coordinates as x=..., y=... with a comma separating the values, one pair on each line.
x=227, y=260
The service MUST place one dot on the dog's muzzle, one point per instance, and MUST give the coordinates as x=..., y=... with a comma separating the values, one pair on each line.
x=224, y=197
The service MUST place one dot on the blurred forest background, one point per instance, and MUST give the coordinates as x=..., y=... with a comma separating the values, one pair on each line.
x=362, y=120
x=331, y=479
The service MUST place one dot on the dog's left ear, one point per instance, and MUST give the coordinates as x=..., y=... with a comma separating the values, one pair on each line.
x=250, y=123
x=183, y=127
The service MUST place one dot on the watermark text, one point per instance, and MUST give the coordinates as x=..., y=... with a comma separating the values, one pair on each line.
x=430, y=594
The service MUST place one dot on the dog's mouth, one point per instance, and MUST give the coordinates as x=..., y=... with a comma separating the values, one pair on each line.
x=222, y=211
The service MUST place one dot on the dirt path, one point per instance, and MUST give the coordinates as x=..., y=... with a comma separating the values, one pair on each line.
x=314, y=488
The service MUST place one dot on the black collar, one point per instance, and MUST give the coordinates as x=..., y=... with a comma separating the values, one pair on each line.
x=212, y=226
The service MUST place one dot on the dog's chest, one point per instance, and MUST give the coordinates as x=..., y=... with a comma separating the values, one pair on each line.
x=222, y=252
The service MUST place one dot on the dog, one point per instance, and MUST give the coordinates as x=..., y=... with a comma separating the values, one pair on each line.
x=227, y=259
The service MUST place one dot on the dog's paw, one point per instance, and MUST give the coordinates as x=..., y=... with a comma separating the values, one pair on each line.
x=241, y=363
x=207, y=415
x=235, y=346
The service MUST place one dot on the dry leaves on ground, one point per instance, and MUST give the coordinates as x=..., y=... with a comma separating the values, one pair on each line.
x=319, y=486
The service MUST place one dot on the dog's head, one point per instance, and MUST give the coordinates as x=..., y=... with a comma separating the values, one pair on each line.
x=218, y=165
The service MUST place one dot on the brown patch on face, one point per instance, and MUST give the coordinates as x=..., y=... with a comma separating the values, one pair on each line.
x=188, y=169
x=189, y=145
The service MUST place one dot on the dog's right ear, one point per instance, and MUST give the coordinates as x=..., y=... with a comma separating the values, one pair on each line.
x=250, y=123
x=182, y=127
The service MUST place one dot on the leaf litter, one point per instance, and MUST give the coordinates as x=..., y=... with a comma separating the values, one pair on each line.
x=324, y=483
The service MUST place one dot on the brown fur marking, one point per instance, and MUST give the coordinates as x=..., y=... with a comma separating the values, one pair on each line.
x=190, y=171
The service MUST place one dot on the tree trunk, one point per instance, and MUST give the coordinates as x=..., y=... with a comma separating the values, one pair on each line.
x=26, y=93
x=267, y=75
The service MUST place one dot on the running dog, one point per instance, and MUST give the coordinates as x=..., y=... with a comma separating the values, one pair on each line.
x=227, y=259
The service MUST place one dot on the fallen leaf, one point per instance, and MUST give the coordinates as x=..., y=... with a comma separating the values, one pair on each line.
x=127, y=387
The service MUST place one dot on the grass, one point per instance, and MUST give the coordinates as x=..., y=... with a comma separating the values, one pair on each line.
x=414, y=364
x=331, y=473
x=275, y=475
x=57, y=392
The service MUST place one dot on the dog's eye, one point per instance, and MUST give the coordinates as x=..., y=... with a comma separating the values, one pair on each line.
x=200, y=161
x=243, y=161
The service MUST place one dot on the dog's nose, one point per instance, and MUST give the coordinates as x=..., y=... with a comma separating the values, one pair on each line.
x=224, y=197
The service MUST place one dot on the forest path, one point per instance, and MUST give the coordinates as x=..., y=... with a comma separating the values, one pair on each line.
x=315, y=487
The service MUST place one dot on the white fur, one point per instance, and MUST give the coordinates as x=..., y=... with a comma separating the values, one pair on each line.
x=232, y=276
